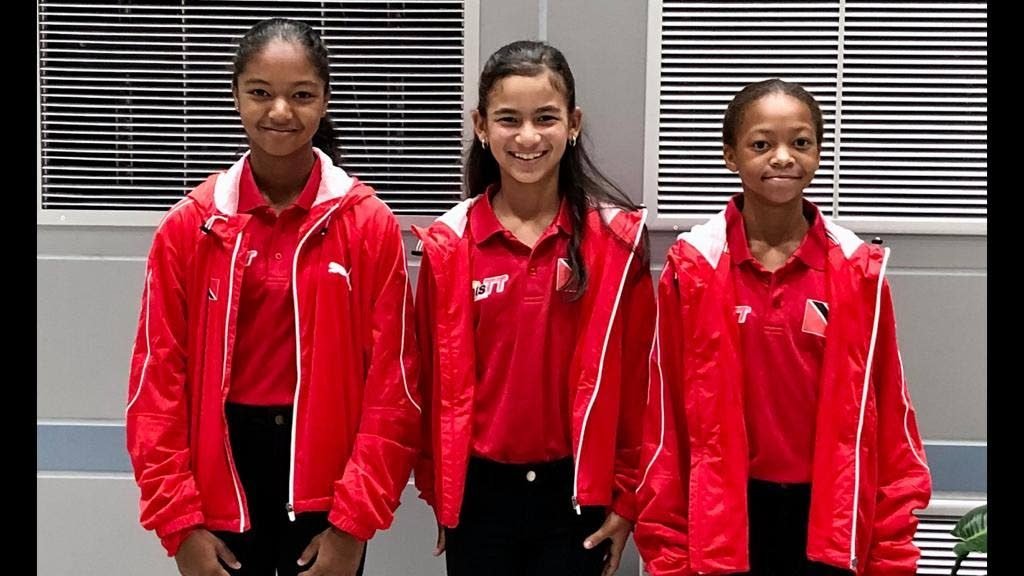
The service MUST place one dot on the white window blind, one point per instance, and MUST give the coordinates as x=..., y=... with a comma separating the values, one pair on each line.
x=902, y=86
x=136, y=108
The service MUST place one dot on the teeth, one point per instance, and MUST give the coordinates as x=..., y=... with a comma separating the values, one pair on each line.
x=527, y=156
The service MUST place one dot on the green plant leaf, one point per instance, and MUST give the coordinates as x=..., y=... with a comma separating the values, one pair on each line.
x=972, y=528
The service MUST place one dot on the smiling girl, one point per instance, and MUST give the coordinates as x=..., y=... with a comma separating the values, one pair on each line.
x=779, y=436
x=272, y=415
x=535, y=313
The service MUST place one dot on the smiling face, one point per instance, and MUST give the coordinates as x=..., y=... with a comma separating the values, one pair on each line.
x=776, y=152
x=281, y=98
x=527, y=127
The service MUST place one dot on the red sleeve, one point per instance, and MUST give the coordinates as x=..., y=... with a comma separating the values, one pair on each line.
x=156, y=417
x=904, y=481
x=173, y=541
x=662, y=496
x=638, y=317
x=387, y=443
x=424, y=474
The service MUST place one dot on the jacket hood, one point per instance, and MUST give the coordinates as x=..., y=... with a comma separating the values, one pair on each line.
x=450, y=227
x=709, y=238
x=334, y=183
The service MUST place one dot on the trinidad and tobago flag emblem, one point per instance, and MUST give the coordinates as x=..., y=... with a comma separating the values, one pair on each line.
x=815, y=317
x=565, y=280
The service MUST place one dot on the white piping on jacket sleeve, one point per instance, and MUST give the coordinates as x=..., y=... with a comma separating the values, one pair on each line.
x=906, y=414
x=600, y=366
x=656, y=350
x=405, y=297
x=401, y=350
x=863, y=407
x=149, y=289
x=145, y=363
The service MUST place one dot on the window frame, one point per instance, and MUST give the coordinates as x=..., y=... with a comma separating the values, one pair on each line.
x=966, y=226
x=150, y=218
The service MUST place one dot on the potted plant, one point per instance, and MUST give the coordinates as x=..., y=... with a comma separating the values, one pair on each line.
x=972, y=531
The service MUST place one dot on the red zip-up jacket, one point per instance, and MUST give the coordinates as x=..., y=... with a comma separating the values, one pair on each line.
x=869, y=472
x=355, y=427
x=608, y=371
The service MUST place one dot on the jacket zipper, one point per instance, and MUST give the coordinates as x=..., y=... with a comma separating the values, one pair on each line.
x=224, y=380
x=320, y=226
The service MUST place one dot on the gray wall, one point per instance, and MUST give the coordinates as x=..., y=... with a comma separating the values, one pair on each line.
x=89, y=280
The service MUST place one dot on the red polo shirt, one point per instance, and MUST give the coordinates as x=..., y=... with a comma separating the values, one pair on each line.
x=781, y=316
x=263, y=366
x=525, y=331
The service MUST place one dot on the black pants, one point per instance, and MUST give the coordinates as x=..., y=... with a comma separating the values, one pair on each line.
x=518, y=520
x=261, y=445
x=778, y=516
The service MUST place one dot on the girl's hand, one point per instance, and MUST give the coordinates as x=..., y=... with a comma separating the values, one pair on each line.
x=337, y=554
x=616, y=528
x=439, y=549
x=198, y=555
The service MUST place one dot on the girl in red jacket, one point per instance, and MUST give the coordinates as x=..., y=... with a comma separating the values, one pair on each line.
x=779, y=436
x=535, y=314
x=272, y=414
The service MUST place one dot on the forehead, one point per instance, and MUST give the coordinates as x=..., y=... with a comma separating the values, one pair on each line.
x=775, y=111
x=526, y=92
x=281, y=57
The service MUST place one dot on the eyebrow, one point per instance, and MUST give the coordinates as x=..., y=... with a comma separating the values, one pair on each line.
x=550, y=108
x=262, y=82
x=797, y=129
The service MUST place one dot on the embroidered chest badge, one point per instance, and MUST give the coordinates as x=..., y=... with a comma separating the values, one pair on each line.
x=815, y=317
x=565, y=280
x=741, y=314
x=484, y=288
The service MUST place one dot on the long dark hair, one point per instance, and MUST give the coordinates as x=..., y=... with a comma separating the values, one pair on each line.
x=261, y=34
x=580, y=182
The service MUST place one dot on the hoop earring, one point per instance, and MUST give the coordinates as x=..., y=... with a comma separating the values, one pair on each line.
x=483, y=143
x=572, y=141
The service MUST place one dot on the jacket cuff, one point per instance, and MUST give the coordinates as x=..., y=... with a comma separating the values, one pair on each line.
x=173, y=533
x=670, y=572
x=428, y=497
x=172, y=541
x=888, y=570
x=624, y=505
x=423, y=479
x=347, y=525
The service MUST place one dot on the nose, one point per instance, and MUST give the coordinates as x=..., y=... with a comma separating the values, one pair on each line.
x=781, y=157
x=528, y=135
x=280, y=111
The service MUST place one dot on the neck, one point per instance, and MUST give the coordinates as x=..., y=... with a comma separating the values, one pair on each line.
x=527, y=202
x=281, y=179
x=774, y=225
x=526, y=211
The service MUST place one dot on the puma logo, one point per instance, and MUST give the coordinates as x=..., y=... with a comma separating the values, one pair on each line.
x=335, y=268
